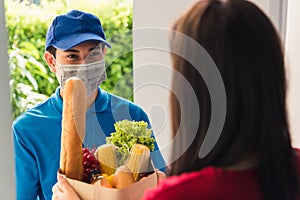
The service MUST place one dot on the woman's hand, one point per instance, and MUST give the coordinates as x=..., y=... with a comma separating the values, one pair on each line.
x=160, y=175
x=62, y=190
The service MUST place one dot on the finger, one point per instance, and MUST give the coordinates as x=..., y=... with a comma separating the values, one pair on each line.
x=60, y=178
x=160, y=175
x=62, y=183
x=55, y=196
x=60, y=186
x=56, y=192
x=55, y=188
x=64, y=186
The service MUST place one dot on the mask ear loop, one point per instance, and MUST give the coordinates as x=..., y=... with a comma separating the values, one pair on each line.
x=59, y=75
x=104, y=75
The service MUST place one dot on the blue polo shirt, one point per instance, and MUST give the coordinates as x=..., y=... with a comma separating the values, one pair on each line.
x=37, y=139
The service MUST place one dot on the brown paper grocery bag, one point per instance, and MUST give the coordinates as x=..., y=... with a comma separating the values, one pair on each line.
x=97, y=192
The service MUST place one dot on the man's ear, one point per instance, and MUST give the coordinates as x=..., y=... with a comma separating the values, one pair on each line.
x=104, y=51
x=50, y=61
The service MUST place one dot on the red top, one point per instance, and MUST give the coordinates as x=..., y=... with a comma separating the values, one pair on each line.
x=211, y=183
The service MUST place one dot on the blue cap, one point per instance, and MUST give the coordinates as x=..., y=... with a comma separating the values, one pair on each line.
x=73, y=28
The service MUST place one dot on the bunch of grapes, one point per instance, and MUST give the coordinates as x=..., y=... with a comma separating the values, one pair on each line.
x=90, y=165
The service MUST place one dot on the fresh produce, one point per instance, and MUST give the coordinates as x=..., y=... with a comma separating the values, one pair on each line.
x=129, y=133
x=138, y=160
x=107, y=157
x=118, y=177
x=131, y=143
x=90, y=165
x=110, y=179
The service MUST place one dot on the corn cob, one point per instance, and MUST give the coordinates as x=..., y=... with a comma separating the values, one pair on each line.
x=107, y=157
x=138, y=160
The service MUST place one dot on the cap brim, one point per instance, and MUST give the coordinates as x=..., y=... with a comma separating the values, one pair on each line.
x=76, y=39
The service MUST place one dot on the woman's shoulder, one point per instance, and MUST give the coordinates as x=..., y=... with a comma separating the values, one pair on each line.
x=208, y=183
x=167, y=187
x=297, y=151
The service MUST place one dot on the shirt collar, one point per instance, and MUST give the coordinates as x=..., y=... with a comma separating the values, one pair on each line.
x=101, y=102
x=57, y=100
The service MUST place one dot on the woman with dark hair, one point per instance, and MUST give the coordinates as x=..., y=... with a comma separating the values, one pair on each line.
x=252, y=157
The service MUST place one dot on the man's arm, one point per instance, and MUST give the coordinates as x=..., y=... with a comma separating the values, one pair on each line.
x=156, y=156
x=27, y=183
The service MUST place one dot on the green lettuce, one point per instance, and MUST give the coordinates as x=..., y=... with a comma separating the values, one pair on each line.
x=129, y=133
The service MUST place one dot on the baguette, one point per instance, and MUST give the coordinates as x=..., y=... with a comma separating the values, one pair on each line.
x=73, y=128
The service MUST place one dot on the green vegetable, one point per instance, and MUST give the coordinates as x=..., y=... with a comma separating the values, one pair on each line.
x=129, y=133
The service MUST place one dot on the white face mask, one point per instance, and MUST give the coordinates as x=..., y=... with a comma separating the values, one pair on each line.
x=92, y=74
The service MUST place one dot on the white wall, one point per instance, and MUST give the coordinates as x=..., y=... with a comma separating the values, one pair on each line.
x=7, y=181
x=293, y=68
x=152, y=71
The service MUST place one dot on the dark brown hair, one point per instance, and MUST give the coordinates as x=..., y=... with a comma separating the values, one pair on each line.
x=247, y=51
